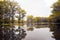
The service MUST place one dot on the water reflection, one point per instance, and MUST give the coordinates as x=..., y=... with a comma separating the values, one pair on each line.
x=42, y=33
x=55, y=28
x=38, y=33
x=56, y=31
x=16, y=34
x=34, y=32
x=32, y=27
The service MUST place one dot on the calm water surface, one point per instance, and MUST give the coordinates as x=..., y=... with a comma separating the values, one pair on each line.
x=39, y=34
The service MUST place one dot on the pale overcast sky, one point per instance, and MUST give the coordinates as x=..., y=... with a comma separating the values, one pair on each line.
x=37, y=7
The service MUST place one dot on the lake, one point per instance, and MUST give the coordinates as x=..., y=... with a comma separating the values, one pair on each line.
x=39, y=34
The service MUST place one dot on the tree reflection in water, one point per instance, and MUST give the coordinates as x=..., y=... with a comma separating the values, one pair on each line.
x=8, y=34
x=56, y=30
x=21, y=33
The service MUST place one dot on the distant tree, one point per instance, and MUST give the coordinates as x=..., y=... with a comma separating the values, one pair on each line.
x=29, y=20
x=36, y=22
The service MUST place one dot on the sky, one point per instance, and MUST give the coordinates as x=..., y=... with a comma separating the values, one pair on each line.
x=36, y=7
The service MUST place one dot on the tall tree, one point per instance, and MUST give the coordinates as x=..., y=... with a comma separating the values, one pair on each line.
x=8, y=9
x=55, y=18
x=56, y=10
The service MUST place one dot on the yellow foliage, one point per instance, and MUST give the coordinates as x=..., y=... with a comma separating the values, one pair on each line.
x=36, y=18
x=3, y=0
x=30, y=17
x=23, y=11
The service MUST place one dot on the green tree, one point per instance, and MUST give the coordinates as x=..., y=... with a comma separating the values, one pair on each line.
x=56, y=10
x=30, y=20
x=8, y=9
x=55, y=16
x=36, y=21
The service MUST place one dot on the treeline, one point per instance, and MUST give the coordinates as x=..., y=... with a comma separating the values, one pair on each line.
x=36, y=22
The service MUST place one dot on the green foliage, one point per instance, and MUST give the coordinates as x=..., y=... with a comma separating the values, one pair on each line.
x=37, y=18
x=55, y=16
x=56, y=10
x=8, y=9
